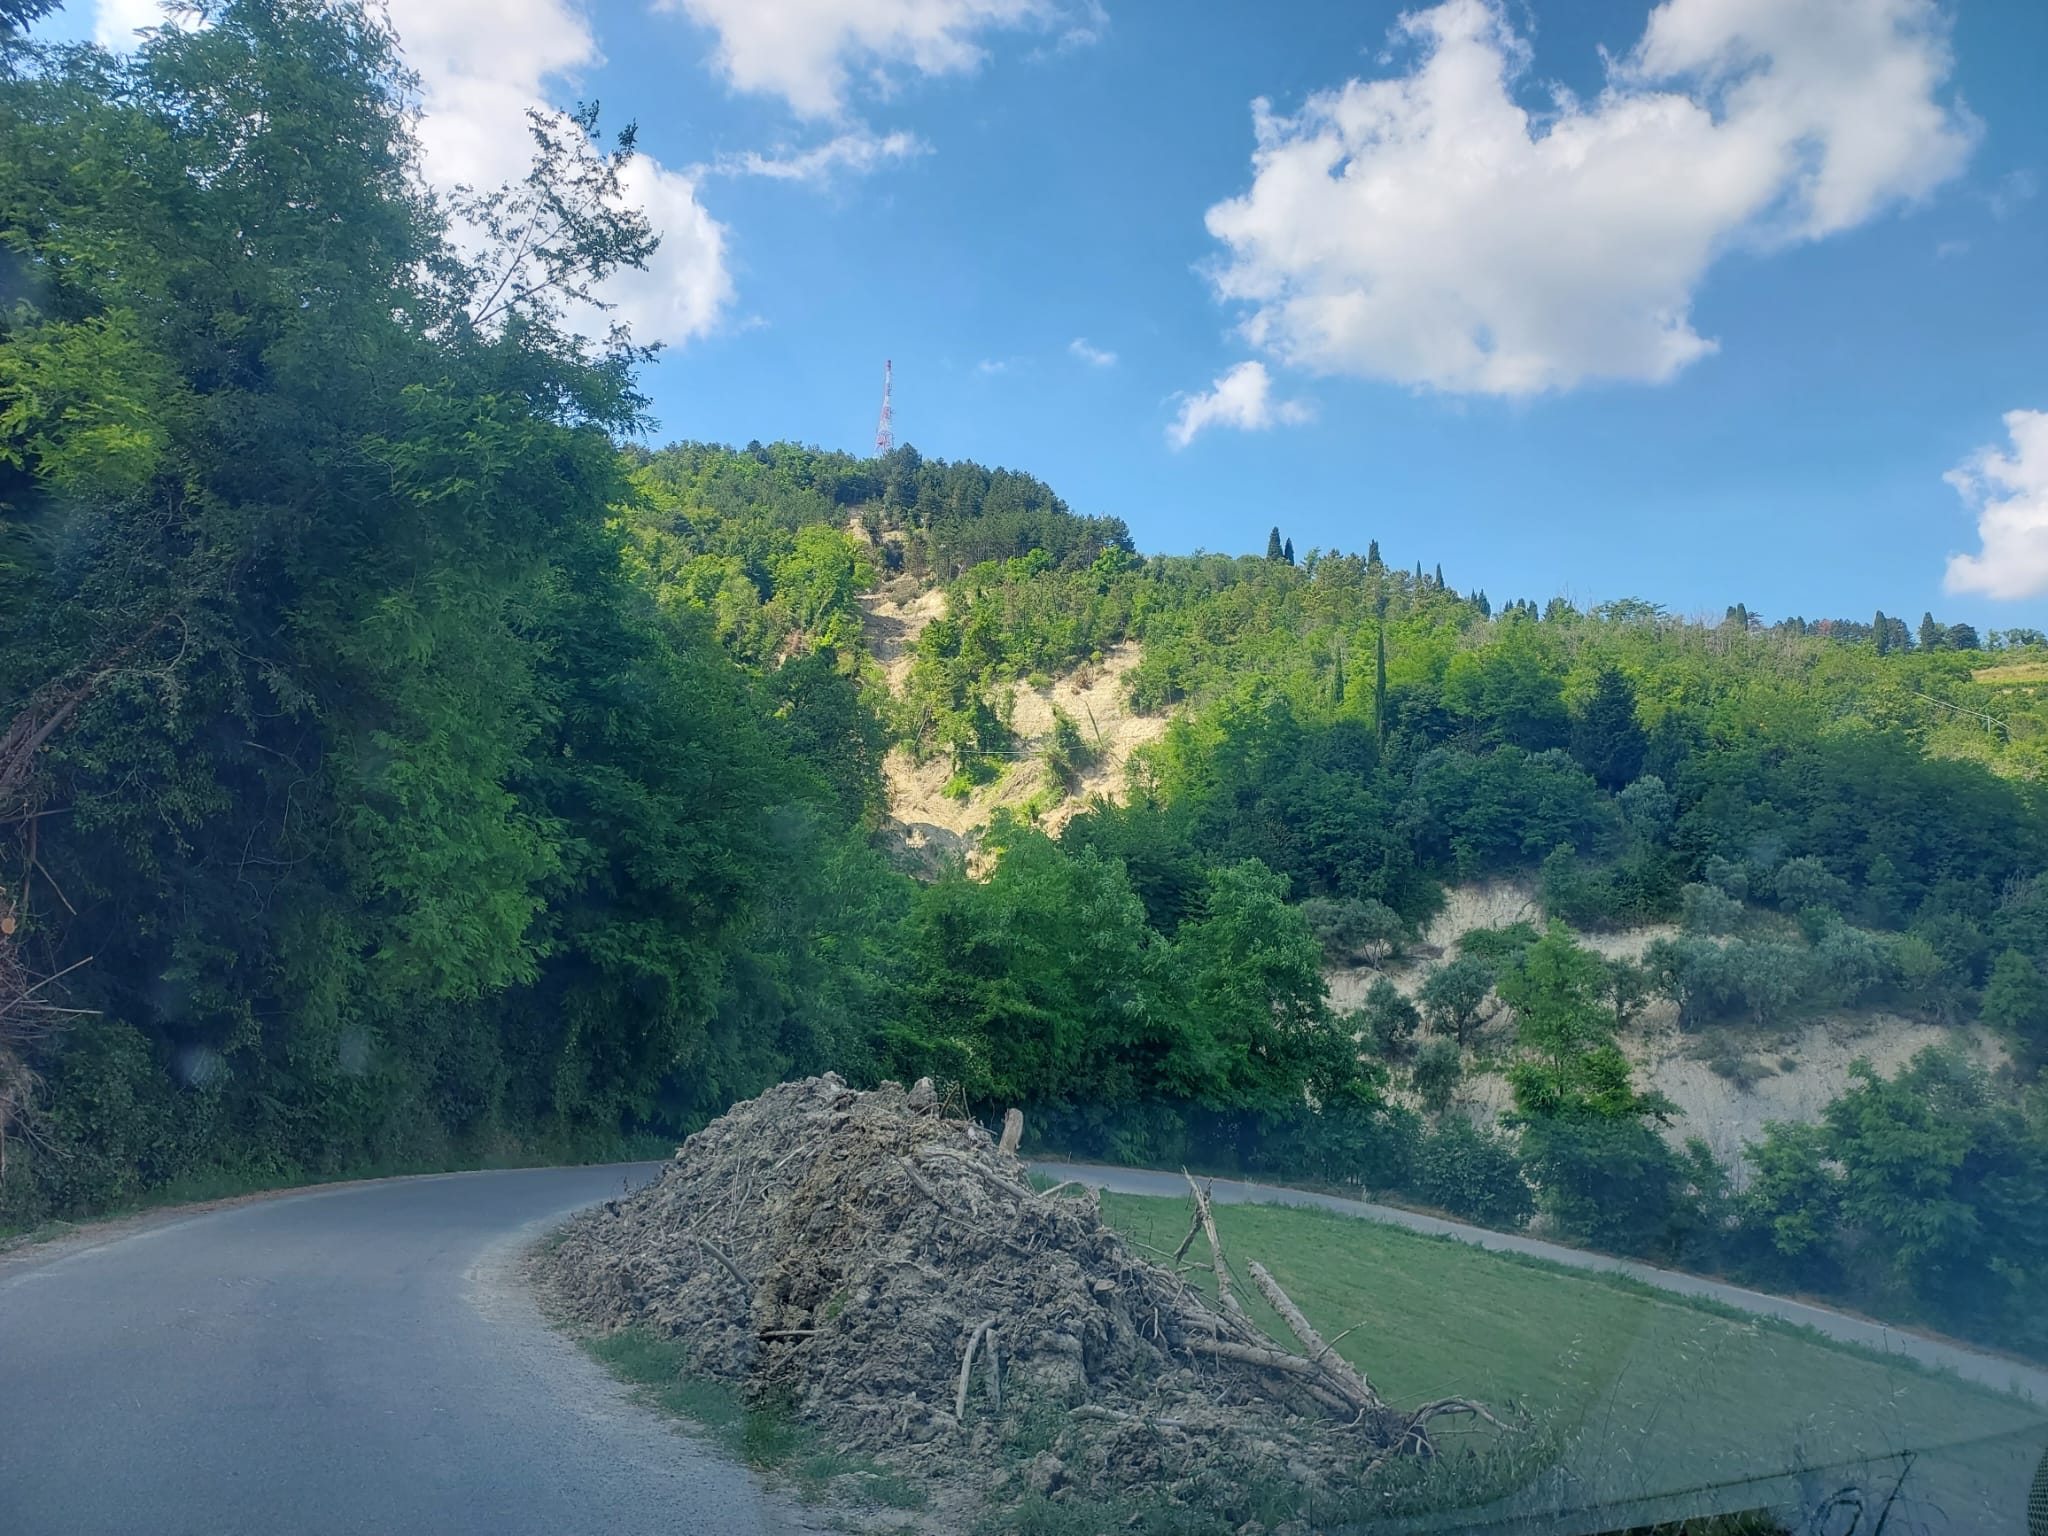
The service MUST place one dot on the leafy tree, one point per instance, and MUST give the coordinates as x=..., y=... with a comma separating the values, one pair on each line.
x=1354, y=931
x=1807, y=882
x=1472, y=1174
x=1794, y=1198
x=1453, y=994
x=1649, y=808
x=1436, y=1074
x=2016, y=1004
x=1388, y=1020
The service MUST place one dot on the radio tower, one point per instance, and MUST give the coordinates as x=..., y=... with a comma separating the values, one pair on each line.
x=885, y=430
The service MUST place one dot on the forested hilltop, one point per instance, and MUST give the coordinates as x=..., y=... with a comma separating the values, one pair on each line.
x=399, y=767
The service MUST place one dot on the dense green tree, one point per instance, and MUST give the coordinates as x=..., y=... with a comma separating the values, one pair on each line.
x=2016, y=1003
x=1453, y=995
x=1274, y=549
x=1436, y=1074
x=1388, y=1021
x=1606, y=739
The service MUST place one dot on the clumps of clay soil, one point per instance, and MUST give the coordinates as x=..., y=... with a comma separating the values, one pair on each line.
x=886, y=1274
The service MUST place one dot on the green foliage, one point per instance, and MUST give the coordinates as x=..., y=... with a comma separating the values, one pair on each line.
x=1388, y=1021
x=1453, y=994
x=2016, y=1002
x=1354, y=931
x=400, y=824
x=1439, y=1067
x=1473, y=1174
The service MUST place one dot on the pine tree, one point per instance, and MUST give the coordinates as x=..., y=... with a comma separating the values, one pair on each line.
x=1930, y=633
x=1273, y=545
x=1287, y=551
x=1881, y=626
x=1606, y=739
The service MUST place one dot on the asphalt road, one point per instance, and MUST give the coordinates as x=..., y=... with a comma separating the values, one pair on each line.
x=356, y=1359
x=1995, y=1371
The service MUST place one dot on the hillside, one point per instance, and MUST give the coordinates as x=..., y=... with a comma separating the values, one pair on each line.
x=401, y=769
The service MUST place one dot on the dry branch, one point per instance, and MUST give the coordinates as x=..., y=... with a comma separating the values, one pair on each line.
x=1224, y=1293
x=719, y=1254
x=1319, y=1353
x=967, y=1369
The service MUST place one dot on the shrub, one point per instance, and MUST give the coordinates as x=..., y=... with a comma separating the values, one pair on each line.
x=1438, y=1068
x=1472, y=1174
x=1388, y=1020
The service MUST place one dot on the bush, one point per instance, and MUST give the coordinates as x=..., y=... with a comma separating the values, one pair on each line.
x=1355, y=931
x=1435, y=1076
x=1708, y=909
x=1388, y=1021
x=1610, y=1183
x=1472, y=1174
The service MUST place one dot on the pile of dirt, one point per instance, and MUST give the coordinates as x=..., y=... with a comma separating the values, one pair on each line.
x=886, y=1273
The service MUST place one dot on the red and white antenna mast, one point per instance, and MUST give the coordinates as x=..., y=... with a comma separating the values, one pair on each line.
x=885, y=431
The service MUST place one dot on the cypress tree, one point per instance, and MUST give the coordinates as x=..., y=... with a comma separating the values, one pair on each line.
x=1273, y=545
x=1287, y=552
x=1883, y=629
x=1372, y=554
x=1337, y=680
x=1930, y=633
x=1439, y=575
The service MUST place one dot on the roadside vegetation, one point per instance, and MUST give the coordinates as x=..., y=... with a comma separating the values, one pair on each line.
x=400, y=767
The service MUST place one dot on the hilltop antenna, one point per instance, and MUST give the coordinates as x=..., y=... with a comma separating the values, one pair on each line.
x=885, y=430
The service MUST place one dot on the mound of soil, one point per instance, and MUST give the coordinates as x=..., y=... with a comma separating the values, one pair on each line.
x=887, y=1274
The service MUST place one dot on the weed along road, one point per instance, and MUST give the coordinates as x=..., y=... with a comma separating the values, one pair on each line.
x=354, y=1359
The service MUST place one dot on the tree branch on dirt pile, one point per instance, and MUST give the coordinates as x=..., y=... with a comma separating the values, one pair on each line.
x=1224, y=1293
x=995, y=1382
x=1319, y=1353
x=717, y=1253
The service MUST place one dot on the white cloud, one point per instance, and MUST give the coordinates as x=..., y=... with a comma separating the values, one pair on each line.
x=992, y=365
x=115, y=22
x=1429, y=229
x=2009, y=493
x=806, y=51
x=1947, y=248
x=1241, y=398
x=1093, y=356
x=482, y=64
x=857, y=152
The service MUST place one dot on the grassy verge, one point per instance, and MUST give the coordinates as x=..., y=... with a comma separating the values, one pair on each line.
x=1648, y=1392
x=766, y=1439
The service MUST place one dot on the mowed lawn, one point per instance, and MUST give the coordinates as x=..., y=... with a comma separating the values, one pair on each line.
x=1646, y=1394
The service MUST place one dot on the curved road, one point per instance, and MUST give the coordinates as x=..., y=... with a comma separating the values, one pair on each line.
x=364, y=1358
x=351, y=1359
x=1995, y=1371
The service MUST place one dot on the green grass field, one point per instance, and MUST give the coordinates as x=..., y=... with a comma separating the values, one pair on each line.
x=1646, y=1394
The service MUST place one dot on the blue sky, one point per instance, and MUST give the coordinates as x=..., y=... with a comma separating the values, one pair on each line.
x=1727, y=301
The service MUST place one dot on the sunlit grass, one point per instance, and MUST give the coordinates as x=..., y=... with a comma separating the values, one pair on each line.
x=1674, y=1393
